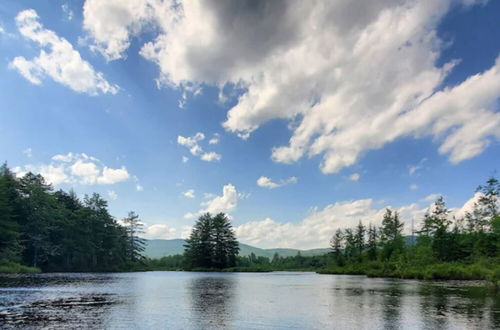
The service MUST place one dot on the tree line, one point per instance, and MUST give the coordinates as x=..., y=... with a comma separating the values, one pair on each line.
x=444, y=246
x=56, y=231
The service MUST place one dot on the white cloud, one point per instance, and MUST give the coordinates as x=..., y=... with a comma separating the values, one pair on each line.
x=67, y=11
x=57, y=59
x=413, y=186
x=468, y=206
x=413, y=168
x=111, y=22
x=226, y=203
x=354, y=177
x=113, y=195
x=76, y=168
x=113, y=175
x=316, y=229
x=266, y=182
x=214, y=139
x=138, y=187
x=211, y=156
x=192, y=143
x=28, y=152
x=160, y=231
x=331, y=68
x=188, y=193
x=185, y=159
x=431, y=197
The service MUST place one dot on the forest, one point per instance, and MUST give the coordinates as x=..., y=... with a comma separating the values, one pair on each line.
x=43, y=229
x=47, y=230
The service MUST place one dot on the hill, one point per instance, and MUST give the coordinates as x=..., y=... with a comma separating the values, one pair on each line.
x=157, y=248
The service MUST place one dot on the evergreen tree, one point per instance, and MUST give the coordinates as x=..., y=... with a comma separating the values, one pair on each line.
x=435, y=231
x=350, y=244
x=336, y=244
x=212, y=243
x=372, y=242
x=360, y=240
x=391, y=234
x=134, y=227
x=9, y=215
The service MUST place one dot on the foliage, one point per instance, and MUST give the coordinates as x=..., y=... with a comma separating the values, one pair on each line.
x=56, y=231
x=212, y=243
x=442, y=251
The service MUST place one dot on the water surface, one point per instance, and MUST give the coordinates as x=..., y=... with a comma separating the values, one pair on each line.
x=280, y=300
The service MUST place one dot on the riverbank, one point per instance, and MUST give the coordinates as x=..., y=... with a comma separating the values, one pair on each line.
x=488, y=270
x=13, y=268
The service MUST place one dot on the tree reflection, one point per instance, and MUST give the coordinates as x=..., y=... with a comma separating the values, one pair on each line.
x=459, y=305
x=391, y=303
x=212, y=300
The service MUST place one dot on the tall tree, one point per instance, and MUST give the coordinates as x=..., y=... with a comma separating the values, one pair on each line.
x=9, y=215
x=360, y=240
x=133, y=228
x=391, y=234
x=39, y=214
x=372, y=242
x=435, y=230
x=212, y=243
x=336, y=244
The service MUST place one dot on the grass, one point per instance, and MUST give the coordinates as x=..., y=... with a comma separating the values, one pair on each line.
x=13, y=267
x=483, y=270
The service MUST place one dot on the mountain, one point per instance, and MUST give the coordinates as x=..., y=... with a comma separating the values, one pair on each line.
x=157, y=248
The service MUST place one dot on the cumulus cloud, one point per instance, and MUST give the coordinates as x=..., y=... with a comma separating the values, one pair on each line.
x=266, y=182
x=138, y=187
x=316, y=229
x=193, y=144
x=57, y=59
x=188, y=193
x=76, y=168
x=211, y=156
x=226, y=203
x=185, y=159
x=331, y=68
x=160, y=231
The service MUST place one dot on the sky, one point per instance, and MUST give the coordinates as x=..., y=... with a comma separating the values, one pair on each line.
x=296, y=118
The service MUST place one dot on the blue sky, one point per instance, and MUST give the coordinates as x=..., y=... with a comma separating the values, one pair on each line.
x=339, y=111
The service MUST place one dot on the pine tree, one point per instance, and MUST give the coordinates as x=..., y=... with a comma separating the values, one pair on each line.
x=212, y=243
x=134, y=227
x=360, y=240
x=9, y=215
x=336, y=244
x=391, y=234
x=372, y=242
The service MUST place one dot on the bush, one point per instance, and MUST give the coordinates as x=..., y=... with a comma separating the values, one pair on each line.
x=12, y=267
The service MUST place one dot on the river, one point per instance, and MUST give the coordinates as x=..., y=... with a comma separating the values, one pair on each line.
x=279, y=300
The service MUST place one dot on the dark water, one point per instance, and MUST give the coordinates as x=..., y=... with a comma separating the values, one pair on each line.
x=179, y=300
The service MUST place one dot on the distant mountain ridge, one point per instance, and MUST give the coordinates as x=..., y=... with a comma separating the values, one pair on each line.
x=157, y=248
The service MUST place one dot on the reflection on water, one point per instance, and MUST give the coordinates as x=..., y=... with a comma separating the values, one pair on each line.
x=391, y=304
x=179, y=300
x=212, y=301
